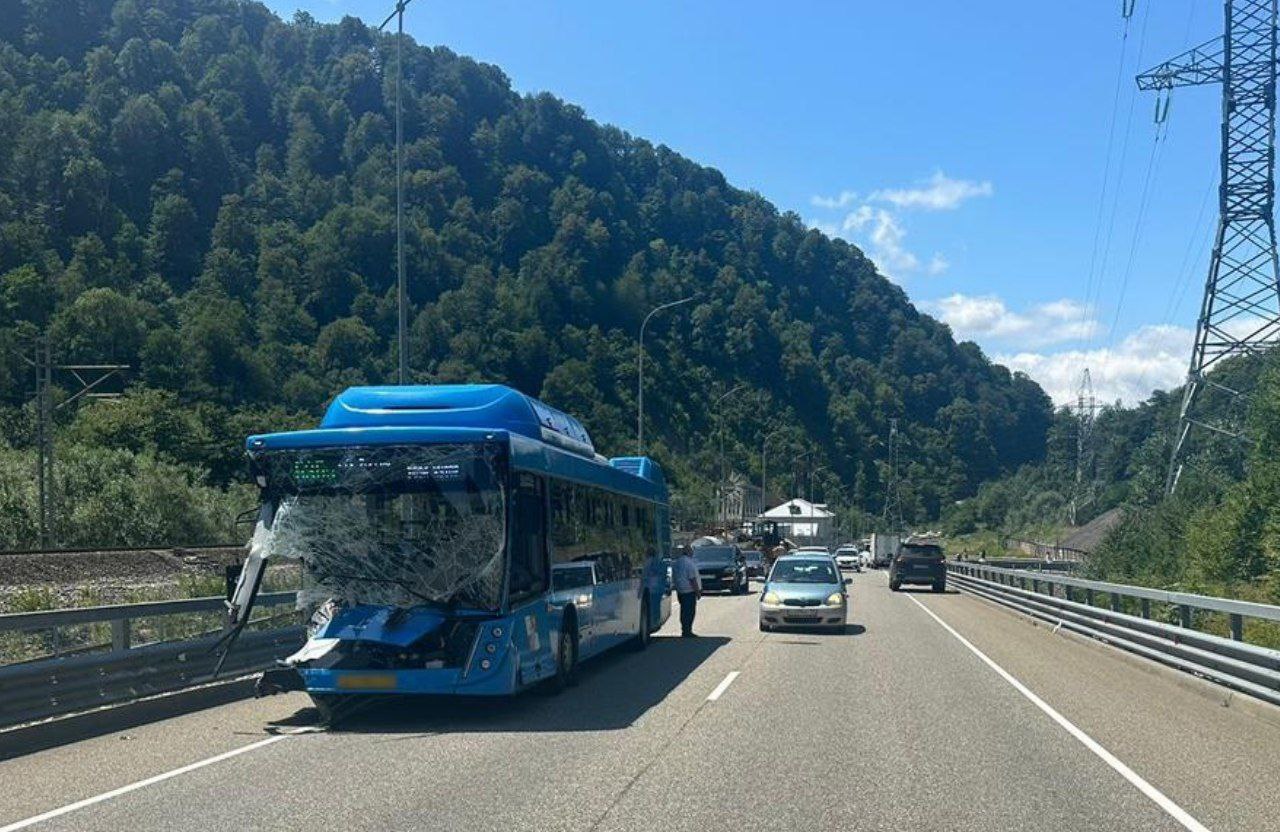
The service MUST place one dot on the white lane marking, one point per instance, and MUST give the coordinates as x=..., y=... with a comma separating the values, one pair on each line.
x=1158, y=797
x=715, y=694
x=150, y=781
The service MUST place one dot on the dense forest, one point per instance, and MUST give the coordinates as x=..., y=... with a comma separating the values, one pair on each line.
x=205, y=193
x=1220, y=531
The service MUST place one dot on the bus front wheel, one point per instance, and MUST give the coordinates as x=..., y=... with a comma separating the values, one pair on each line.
x=566, y=656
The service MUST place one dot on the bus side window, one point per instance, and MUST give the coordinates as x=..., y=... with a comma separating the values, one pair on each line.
x=528, y=538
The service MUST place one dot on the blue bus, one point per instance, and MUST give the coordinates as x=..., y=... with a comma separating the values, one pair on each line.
x=454, y=539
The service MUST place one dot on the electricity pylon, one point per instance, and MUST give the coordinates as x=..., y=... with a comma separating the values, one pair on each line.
x=1084, y=410
x=1240, y=313
x=893, y=499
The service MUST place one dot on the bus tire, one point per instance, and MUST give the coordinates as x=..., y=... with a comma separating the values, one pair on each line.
x=566, y=674
x=641, y=641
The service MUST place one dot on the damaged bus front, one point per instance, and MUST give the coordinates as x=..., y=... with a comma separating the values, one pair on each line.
x=428, y=523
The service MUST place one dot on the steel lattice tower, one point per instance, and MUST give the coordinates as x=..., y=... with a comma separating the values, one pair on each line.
x=1085, y=409
x=1240, y=313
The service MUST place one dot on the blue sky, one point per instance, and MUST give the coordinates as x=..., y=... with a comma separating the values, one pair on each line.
x=961, y=145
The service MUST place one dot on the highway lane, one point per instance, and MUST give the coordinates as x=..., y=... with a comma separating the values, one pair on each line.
x=892, y=725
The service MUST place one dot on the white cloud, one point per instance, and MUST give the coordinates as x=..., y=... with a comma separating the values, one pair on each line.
x=879, y=230
x=844, y=200
x=938, y=193
x=988, y=318
x=885, y=236
x=1150, y=358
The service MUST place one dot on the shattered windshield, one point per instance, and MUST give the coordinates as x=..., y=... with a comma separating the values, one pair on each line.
x=398, y=526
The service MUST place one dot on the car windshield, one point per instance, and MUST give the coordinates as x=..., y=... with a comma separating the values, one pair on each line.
x=803, y=572
x=396, y=526
x=713, y=554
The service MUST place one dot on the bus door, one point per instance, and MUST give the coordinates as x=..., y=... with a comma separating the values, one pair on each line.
x=607, y=602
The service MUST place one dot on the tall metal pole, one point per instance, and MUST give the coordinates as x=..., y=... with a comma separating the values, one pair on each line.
x=640, y=371
x=44, y=440
x=764, y=469
x=402, y=292
x=720, y=427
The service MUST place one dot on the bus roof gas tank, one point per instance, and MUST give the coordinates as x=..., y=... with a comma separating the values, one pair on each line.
x=490, y=406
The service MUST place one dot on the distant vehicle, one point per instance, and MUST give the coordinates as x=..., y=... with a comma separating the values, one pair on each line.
x=804, y=590
x=722, y=567
x=706, y=541
x=755, y=563
x=764, y=534
x=919, y=562
x=883, y=548
x=864, y=558
x=848, y=557
x=821, y=550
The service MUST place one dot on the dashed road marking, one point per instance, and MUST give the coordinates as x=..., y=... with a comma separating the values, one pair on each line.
x=715, y=694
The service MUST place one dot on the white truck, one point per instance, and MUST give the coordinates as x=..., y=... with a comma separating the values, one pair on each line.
x=884, y=547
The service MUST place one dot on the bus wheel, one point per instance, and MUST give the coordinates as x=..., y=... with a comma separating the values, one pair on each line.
x=641, y=641
x=566, y=656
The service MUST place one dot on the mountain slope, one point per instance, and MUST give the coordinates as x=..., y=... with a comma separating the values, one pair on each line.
x=206, y=193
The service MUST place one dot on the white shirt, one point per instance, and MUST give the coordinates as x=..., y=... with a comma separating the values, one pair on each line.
x=684, y=574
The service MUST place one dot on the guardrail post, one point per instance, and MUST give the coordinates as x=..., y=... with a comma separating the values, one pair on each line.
x=1237, y=627
x=120, y=634
x=1088, y=596
x=1146, y=607
x=1184, y=615
x=1066, y=592
x=1115, y=602
x=1035, y=585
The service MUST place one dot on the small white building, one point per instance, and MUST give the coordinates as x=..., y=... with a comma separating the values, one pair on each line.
x=803, y=522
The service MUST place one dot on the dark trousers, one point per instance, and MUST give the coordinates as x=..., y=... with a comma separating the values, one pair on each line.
x=688, y=609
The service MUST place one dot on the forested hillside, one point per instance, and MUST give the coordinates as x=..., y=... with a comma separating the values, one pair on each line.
x=1219, y=533
x=204, y=192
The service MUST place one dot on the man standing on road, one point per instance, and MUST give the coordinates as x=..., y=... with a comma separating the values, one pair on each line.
x=684, y=574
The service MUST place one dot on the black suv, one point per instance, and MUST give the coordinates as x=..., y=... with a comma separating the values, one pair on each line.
x=918, y=563
x=722, y=567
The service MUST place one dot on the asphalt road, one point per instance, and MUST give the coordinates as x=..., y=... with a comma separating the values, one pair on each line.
x=895, y=724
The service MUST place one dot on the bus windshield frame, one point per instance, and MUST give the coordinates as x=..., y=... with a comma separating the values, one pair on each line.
x=392, y=525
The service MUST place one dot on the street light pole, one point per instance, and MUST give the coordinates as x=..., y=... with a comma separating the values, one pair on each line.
x=402, y=292
x=640, y=371
x=720, y=488
x=764, y=468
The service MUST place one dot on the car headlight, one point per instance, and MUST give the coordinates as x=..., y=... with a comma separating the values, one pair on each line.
x=771, y=599
x=835, y=599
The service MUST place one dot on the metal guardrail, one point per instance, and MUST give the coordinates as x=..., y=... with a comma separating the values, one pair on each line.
x=1227, y=661
x=57, y=685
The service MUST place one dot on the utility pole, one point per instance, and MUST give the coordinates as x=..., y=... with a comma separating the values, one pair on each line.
x=1240, y=311
x=90, y=379
x=764, y=469
x=402, y=291
x=44, y=441
x=722, y=487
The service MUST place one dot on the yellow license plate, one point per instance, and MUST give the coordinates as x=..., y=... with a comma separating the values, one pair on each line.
x=367, y=681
